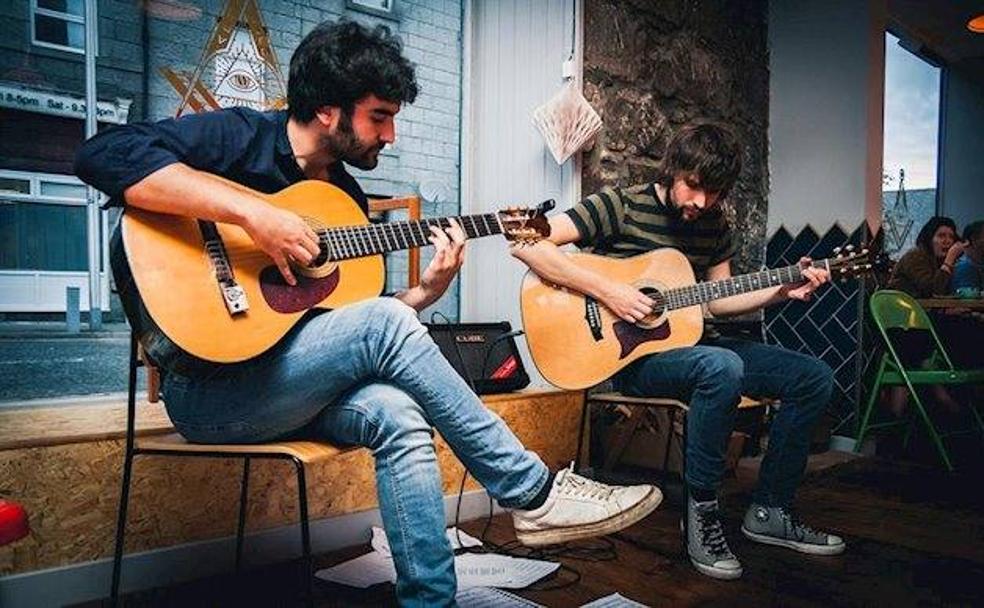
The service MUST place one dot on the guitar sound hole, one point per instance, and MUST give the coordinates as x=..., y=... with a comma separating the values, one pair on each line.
x=322, y=257
x=657, y=297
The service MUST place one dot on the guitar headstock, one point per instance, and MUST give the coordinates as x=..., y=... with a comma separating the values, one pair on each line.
x=526, y=225
x=849, y=262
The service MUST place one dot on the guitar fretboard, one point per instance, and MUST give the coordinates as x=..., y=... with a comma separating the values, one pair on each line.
x=692, y=295
x=349, y=242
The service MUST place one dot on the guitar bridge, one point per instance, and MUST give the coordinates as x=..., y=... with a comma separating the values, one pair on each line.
x=234, y=297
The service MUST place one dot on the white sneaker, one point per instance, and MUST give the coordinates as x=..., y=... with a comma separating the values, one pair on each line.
x=578, y=507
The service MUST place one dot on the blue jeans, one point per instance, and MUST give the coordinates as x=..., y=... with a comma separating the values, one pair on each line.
x=712, y=377
x=370, y=375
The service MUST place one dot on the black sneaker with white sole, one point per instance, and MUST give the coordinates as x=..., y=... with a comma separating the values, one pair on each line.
x=704, y=540
x=779, y=526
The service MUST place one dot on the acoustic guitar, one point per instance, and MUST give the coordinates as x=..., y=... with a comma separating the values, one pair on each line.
x=576, y=342
x=219, y=298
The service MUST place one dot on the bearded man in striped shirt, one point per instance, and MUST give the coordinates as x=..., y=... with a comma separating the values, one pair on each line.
x=680, y=209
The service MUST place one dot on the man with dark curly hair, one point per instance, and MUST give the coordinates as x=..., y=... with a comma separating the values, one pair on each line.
x=366, y=374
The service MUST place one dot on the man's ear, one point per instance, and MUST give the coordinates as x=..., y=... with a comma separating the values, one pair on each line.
x=328, y=116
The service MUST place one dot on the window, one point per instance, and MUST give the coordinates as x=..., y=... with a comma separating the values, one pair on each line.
x=911, y=147
x=380, y=8
x=42, y=222
x=59, y=24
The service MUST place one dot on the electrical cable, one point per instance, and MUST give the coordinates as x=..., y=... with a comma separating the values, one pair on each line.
x=605, y=552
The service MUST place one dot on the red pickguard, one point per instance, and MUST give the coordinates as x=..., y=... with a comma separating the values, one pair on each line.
x=630, y=336
x=285, y=298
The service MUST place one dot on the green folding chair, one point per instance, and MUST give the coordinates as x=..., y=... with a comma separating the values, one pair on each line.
x=898, y=310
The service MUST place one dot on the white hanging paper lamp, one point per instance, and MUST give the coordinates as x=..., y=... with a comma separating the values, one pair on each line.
x=567, y=121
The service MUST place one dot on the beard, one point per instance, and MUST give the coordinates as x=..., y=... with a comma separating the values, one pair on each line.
x=345, y=145
x=682, y=212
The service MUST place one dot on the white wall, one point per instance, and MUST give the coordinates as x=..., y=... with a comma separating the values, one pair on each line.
x=962, y=150
x=825, y=112
x=514, y=52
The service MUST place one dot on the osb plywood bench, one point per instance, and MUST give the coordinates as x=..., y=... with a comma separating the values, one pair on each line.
x=63, y=462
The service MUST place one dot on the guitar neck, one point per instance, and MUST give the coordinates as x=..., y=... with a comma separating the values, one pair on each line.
x=349, y=242
x=701, y=293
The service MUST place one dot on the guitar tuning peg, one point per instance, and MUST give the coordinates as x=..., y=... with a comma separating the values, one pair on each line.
x=850, y=247
x=837, y=250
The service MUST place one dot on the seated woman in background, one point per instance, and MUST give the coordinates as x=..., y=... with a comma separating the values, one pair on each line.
x=926, y=269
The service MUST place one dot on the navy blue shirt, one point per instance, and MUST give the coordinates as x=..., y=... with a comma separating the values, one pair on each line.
x=239, y=144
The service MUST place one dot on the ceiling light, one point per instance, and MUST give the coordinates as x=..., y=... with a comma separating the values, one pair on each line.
x=976, y=24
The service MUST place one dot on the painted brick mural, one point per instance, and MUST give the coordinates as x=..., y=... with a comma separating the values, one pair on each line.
x=425, y=158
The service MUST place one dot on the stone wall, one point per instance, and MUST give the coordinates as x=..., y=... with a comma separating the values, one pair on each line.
x=650, y=67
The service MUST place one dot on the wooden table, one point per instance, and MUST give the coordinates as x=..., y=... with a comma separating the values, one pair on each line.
x=975, y=304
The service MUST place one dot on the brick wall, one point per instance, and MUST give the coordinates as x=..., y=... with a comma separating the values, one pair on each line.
x=426, y=151
x=119, y=67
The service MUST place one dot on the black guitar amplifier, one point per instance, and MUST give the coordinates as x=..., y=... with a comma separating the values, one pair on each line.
x=484, y=354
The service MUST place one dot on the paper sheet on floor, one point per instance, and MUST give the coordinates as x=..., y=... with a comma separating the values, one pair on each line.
x=472, y=569
x=494, y=570
x=615, y=600
x=489, y=597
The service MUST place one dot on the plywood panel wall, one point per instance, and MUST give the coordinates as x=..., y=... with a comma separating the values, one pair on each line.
x=71, y=491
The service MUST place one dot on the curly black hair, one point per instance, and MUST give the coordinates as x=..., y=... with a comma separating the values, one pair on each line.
x=928, y=231
x=337, y=64
x=709, y=151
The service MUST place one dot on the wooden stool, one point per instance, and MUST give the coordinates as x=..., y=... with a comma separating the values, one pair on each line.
x=626, y=404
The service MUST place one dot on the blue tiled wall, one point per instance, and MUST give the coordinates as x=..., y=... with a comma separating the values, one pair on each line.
x=828, y=327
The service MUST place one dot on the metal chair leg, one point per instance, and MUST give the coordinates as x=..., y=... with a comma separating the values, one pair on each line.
x=937, y=440
x=121, y=529
x=580, y=433
x=305, y=532
x=670, y=415
x=114, y=592
x=243, y=496
x=977, y=417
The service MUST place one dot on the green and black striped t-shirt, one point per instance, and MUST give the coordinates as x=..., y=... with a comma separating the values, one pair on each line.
x=623, y=222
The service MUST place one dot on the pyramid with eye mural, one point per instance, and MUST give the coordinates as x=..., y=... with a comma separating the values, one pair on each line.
x=237, y=67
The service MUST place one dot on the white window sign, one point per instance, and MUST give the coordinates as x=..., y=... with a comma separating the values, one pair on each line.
x=18, y=98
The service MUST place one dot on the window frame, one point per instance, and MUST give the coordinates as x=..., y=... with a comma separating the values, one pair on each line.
x=930, y=59
x=34, y=196
x=68, y=17
x=392, y=13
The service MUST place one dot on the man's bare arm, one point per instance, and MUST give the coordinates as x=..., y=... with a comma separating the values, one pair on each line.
x=752, y=301
x=180, y=190
x=554, y=266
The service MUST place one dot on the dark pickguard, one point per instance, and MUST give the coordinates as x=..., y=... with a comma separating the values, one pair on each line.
x=630, y=336
x=285, y=298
